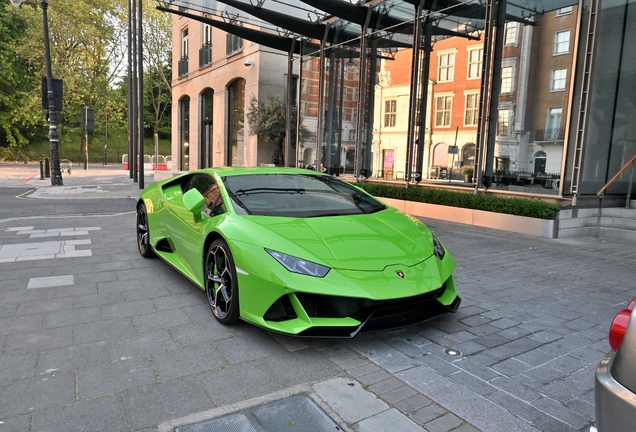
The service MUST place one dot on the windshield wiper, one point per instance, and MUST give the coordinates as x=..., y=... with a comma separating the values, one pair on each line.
x=269, y=190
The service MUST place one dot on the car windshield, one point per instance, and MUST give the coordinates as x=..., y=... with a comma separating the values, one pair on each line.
x=297, y=195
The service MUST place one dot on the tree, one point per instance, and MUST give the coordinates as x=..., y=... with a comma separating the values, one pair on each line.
x=18, y=121
x=268, y=120
x=157, y=69
x=89, y=43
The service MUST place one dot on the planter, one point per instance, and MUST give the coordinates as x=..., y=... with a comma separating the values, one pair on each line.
x=505, y=222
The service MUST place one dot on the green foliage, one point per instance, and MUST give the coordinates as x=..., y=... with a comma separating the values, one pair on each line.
x=69, y=149
x=514, y=206
x=17, y=124
x=88, y=40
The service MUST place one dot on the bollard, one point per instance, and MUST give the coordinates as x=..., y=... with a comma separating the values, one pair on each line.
x=41, y=170
x=47, y=168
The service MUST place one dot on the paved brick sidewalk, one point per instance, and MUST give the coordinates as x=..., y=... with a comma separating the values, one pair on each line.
x=94, y=337
x=531, y=330
x=132, y=345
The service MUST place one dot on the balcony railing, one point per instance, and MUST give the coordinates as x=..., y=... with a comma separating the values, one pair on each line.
x=553, y=134
x=183, y=66
x=205, y=55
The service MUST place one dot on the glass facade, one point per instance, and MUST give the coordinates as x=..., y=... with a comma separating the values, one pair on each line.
x=375, y=107
x=608, y=131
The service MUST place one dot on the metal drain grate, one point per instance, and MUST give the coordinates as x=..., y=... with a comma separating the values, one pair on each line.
x=297, y=414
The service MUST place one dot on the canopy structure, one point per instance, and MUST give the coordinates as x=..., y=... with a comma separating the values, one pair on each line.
x=367, y=31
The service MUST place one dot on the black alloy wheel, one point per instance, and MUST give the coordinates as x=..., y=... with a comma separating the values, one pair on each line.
x=221, y=284
x=143, y=233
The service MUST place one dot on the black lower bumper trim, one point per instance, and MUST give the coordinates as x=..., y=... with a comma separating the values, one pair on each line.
x=398, y=315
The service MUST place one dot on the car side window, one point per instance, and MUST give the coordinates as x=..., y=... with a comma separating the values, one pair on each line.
x=204, y=183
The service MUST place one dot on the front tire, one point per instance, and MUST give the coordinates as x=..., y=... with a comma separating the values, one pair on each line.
x=221, y=285
x=143, y=233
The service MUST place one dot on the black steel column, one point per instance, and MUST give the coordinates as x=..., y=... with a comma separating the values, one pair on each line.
x=130, y=88
x=321, y=99
x=493, y=110
x=140, y=52
x=288, y=102
x=56, y=172
x=134, y=96
x=415, y=69
x=423, y=103
x=362, y=97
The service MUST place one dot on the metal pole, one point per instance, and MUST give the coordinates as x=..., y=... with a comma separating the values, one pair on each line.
x=130, y=78
x=106, y=138
x=495, y=90
x=300, y=96
x=135, y=98
x=140, y=52
x=56, y=174
x=288, y=123
x=85, y=127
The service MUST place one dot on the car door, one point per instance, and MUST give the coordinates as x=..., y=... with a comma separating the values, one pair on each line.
x=188, y=231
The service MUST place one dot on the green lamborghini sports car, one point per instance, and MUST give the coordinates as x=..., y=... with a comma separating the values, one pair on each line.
x=296, y=251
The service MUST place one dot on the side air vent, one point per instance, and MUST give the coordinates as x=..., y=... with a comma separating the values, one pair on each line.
x=164, y=246
x=281, y=310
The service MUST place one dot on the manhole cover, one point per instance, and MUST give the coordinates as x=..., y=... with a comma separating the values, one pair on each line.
x=297, y=413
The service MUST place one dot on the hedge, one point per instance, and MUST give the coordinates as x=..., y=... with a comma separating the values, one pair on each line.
x=514, y=206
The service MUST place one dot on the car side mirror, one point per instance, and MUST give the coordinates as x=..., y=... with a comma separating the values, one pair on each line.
x=193, y=201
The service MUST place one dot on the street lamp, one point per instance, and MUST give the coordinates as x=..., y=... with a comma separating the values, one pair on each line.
x=56, y=172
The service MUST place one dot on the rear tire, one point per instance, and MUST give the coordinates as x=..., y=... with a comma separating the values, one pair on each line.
x=143, y=233
x=221, y=284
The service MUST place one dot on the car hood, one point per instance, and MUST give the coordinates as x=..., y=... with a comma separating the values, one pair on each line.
x=356, y=242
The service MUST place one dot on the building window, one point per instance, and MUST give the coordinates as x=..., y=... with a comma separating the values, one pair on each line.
x=446, y=67
x=503, y=126
x=443, y=106
x=468, y=155
x=506, y=79
x=390, y=113
x=564, y=11
x=233, y=44
x=182, y=66
x=356, y=73
x=471, y=114
x=562, y=42
x=557, y=83
x=304, y=85
x=235, y=115
x=184, y=42
x=475, y=58
x=553, y=124
x=440, y=156
x=511, y=33
x=304, y=109
x=356, y=93
x=184, y=133
x=540, y=159
x=207, y=34
x=354, y=116
x=205, y=53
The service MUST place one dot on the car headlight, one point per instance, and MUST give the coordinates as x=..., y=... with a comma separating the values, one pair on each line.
x=438, y=248
x=298, y=265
